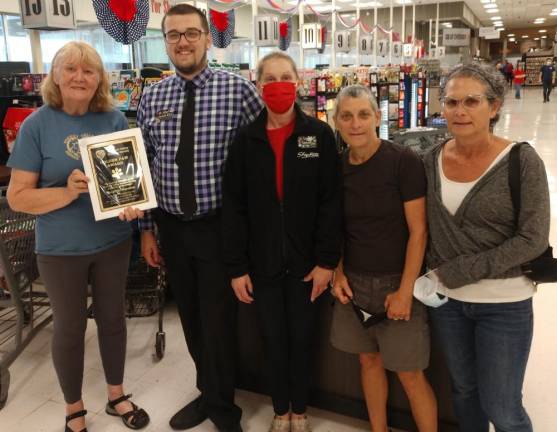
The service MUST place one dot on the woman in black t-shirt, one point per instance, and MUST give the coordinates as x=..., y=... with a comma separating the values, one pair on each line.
x=384, y=242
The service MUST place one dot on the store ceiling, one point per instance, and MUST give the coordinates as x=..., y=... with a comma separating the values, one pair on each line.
x=517, y=13
x=513, y=13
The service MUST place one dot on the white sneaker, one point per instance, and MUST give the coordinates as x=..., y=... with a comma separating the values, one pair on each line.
x=300, y=425
x=280, y=425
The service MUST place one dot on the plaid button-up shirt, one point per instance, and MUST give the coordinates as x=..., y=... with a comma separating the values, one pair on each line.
x=223, y=103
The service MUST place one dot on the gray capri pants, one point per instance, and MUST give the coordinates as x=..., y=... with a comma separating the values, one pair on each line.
x=66, y=279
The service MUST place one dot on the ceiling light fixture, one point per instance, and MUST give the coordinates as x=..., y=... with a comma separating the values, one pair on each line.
x=544, y=37
x=524, y=36
x=542, y=31
x=497, y=18
x=490, y=6
x=492, y=11
x=512, y=39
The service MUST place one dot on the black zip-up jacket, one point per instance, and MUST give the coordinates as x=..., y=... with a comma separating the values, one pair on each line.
x=268, y=238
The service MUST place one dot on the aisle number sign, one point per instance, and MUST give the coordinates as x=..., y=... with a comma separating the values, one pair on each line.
x=342, y=41
x=266, y=30
x=397, y=49
x=383, y=47
x=311, y=36
x=366, y=44
x=47, y=14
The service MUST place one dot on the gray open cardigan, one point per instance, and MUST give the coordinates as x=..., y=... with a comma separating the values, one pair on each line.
x=481, y=241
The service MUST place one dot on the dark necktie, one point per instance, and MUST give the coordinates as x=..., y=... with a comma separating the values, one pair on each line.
x=185, y=154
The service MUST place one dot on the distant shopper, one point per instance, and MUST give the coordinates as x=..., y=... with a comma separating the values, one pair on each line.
x=509, y=73
x=547, y=76
x=476, y=249
x=519, y=76
x=385, y=235
x=72, y=249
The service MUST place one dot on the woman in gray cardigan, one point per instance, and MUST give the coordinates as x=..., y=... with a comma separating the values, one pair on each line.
x=477, y=249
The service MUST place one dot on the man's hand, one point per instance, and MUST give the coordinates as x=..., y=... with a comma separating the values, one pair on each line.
x=321, y=278
x=130, y=213
x=150, y=249
x=341, y=288
x=398, y=306
x=243, y=288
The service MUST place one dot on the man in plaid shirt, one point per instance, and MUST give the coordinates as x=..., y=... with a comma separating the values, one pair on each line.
x=190, y=235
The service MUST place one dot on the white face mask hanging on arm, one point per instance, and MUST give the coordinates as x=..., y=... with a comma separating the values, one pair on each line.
x=427, y=290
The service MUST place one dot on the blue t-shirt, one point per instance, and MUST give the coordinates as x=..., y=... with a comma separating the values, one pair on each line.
x=47, y=144
x=547, y=73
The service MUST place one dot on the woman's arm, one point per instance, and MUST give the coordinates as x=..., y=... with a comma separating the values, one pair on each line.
x=399, y=303
x=24, y=196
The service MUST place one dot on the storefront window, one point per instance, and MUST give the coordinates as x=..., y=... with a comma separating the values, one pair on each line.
x=17, y=40
x=114, y=54
x=3, y=53
x=151, y=49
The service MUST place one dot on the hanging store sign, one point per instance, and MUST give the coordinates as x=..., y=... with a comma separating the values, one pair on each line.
x=311, y=36
x=266, y=30
x=366, y=44
x=47, y=14
x=489, y=32
x=408, y=50
x=342, y=40
x=397, y=49
x=383, y=47
x=456, y=37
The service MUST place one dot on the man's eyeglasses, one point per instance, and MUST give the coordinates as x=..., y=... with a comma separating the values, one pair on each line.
x=469, y=102
x=191, y=35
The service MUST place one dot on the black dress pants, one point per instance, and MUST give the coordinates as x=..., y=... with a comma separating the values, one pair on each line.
x=286, y=315
x=547, y=86
x=207, y=308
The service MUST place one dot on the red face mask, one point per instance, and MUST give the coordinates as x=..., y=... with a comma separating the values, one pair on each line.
x=279, y=96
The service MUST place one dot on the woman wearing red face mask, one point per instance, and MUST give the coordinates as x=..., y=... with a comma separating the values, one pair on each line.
x=282, y=209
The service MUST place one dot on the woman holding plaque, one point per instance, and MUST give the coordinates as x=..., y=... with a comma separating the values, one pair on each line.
x=72, y=249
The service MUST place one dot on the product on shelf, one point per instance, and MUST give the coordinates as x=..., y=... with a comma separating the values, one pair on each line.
x=533, y=66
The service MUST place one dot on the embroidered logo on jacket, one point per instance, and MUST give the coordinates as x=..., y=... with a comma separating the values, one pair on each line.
x=307, y=155
x=307, y=142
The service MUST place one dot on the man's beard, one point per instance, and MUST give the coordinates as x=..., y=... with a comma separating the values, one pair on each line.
x=188, y=70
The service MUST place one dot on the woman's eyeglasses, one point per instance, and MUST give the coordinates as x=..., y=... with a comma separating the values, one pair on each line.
x=191, y=35
x=469, y=102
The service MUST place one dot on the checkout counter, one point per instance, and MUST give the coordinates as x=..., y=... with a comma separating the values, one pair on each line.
x=336, y=376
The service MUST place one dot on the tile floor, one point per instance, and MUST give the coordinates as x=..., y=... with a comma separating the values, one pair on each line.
x=35, y=403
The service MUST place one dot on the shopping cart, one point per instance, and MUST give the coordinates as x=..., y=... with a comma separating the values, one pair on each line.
x=145, y=297
x=23, y=310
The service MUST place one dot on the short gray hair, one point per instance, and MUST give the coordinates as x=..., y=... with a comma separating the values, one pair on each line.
x=486, y=74
x=356, y=91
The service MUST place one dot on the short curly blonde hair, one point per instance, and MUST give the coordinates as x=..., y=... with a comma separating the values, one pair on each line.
x=78, y=53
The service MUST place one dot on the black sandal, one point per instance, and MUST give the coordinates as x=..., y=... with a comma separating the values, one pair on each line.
x=137, y=418
x=69, y=418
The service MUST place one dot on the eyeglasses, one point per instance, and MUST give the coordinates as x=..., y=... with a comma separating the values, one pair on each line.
x=470, y=102
x=191, y=35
